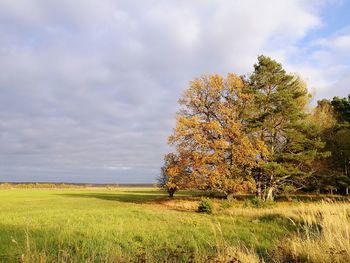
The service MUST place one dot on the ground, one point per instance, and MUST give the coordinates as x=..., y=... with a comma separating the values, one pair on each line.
x=123, y=225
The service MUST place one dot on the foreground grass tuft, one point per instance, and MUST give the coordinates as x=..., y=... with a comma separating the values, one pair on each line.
x=324, y=235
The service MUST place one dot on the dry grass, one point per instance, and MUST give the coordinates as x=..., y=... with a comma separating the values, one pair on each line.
x=176, y=204
x=238, y=254
x=325, y=235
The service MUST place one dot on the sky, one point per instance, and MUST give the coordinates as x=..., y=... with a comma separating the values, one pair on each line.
x=89, y=89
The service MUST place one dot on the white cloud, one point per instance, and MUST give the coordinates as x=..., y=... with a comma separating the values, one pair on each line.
x=325, y=65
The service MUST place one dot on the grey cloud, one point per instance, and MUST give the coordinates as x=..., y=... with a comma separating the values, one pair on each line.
x=90, y=88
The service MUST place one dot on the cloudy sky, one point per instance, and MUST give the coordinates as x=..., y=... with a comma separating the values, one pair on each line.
x=89, y=88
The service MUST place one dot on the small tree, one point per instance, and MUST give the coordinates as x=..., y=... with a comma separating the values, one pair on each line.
x=163, y=182
x=172, y=176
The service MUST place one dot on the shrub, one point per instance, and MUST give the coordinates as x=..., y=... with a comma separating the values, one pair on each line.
x=257, y=203
x=205, y=206
x=227, y=203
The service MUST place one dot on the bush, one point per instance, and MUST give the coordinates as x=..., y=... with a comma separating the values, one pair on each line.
x=205, y=206
x=227, y=203
x=257, y=203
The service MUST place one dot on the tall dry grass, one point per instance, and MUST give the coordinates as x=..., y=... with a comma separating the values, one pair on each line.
x=228, y=253
x=324, y=235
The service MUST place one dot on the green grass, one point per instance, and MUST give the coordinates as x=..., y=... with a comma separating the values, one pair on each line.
x=121, y=225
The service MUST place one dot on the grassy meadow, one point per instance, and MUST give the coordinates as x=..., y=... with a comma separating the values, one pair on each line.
x=143, y=225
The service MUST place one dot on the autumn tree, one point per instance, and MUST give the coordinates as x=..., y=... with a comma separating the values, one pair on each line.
x=324, y=177
x=214, y=149
x=280, y=121
x=163, y=182
x=336, y=175
x=173, y=174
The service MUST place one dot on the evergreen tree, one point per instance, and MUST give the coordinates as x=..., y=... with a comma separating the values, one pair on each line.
x=339, y=143
x=280, y=121
x=333, y=118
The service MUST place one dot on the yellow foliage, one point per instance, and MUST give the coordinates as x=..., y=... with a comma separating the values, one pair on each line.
x=212, y=148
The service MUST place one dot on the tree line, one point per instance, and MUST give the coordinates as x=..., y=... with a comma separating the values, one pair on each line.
x=258, y=133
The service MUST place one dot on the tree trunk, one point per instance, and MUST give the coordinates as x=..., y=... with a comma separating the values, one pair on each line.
x=171, y=192
x=258, y=190
x=270, y=197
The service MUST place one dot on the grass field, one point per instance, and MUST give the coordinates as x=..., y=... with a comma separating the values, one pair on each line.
x=143, y=225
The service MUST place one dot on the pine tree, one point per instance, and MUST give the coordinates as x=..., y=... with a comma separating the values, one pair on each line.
x=281, y=123
x=339, y=142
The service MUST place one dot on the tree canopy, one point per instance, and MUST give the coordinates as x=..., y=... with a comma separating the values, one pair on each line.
x=254, y=133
